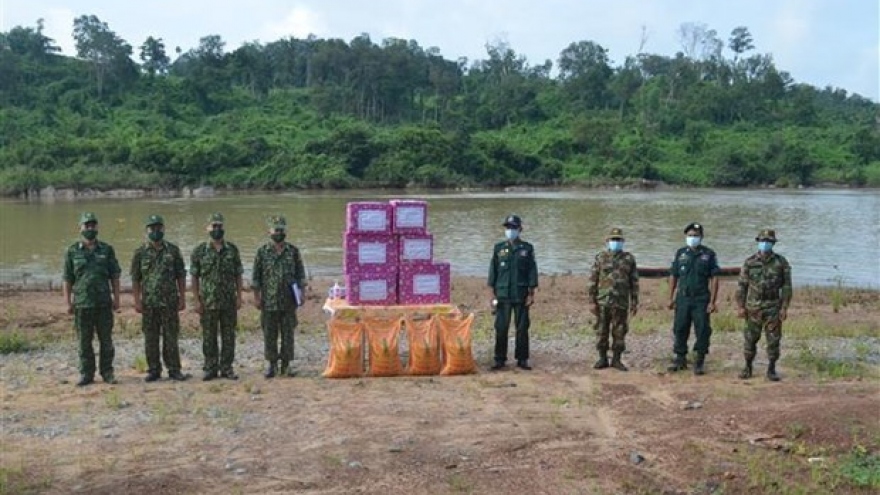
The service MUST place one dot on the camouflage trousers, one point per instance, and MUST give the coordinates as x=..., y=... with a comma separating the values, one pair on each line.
x=611, y=321
x=90, y=322
x=764, y=320
x=161, y=324
x=275, y=324
x=222, y=322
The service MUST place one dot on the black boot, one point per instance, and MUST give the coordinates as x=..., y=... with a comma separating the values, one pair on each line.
x=678, y=364
x=602, y=363
x=771, y=371
x=152, y=376
x=85, y=380
x=616, y=362
x=285, y=368
x=270, y=371
x=746, y=372
x=699, y=362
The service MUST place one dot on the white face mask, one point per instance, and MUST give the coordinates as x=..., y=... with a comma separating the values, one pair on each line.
x=511, y=234
x=693, y=240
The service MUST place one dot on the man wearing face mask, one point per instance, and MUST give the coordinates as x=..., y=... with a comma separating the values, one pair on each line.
x=277, y=266
x=158, y=280
x=513, y=278
x=613, y=292
x=762, y=298
x=693, y=291
x=216, y=271
x=91, y=280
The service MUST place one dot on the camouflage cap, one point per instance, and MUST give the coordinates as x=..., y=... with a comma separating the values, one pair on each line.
x=615, y=233
x=766, y=235
x=154, y=220
x=215, y=218
x=694, y=226
x=277, y=222
x=87, y=217
x=512, y=221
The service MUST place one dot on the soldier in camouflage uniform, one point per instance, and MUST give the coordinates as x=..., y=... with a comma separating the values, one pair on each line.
x=277, y=266
x=158, y=279
x=513, y=278
x=613, y=292
x=216, y=271
x=762, y=298
x=91, y=273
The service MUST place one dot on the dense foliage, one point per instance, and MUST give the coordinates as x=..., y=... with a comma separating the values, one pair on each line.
x=323, y=113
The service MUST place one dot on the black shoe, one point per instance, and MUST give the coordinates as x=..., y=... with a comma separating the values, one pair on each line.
x=771, y=372
x=177, y=376
x=618, y=365
x=602, y=363
x=85, y=380
x=678, y=364
x=210, y=375
x=746, y=372
x=498, y=366
x=229, y=375
x=699, y=368
x=152, y=376
x=284, y=369
x=270, y=371
x=109, y=379
x=523, y=365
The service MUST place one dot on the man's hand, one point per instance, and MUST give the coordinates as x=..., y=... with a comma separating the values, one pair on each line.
x=594, y=309
x=530, y=299
x=634, y=309
x=181, y=303
x=783, y=314
x=671, y=304
x=238, y=303
x=258, y=302
x=138, y=306
x=712, y=308
x=200, y=308
x=115, y=304
x=741, y=312
x=69, y=308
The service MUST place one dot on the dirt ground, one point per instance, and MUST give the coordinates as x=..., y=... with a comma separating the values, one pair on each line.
x=561, y=428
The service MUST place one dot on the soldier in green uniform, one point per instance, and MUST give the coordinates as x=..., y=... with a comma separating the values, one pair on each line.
x=91, y=280
x=277, y=266
x=216, y=271
x=158, y=279
x=762, y=298
x=513, y=278
x=693, y=290
x=613, y=292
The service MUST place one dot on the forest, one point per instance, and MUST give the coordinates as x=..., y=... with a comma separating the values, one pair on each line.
x=330, y=114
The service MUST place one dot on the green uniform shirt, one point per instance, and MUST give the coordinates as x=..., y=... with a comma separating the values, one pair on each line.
x=693, y=268
x=614, y=280
x=218, y=273
x=764, y=282
x=274, y=272
x=90, y=272
x=513, y=270
x=158, y=270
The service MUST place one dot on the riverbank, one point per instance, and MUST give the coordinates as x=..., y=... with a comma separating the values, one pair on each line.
x=562, y=428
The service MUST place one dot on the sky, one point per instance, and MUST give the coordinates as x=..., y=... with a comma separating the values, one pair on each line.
x=819, y=42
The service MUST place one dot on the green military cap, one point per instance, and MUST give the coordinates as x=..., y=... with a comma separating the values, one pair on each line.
x=87, y=217
x=766, y=235
x=694, y=226
x=154, y=220
x=513, y=221
x=215, y=218
x=615, y=233
x=277, y=222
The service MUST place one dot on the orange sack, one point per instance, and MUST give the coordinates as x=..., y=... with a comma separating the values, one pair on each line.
x=346, y=358
x=383, y=336
x=455, y=333
x=425, y=357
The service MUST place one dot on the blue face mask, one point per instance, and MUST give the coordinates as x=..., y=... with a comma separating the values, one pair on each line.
x=615, y=246
x=765, y=246
x=511, y=234
x=693, y=241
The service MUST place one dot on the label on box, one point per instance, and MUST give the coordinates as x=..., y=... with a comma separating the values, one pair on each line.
x=372, y=252
x=417, y=249
x=427, y=284
x=409, y=216
x=372, y=220
x=373, y=290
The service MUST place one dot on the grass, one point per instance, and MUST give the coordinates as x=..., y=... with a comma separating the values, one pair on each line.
x=860, y=468
x=114, y=400
x=15, y=343
x=811, y=360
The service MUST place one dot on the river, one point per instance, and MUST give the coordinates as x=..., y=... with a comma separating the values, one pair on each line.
x=830, y=236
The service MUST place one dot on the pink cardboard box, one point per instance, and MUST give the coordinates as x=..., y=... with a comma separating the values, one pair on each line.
x=372, y=287
x=415, y=248
x=369, y=252
x=424, y=283
x=410, y=216
x=368, y=217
